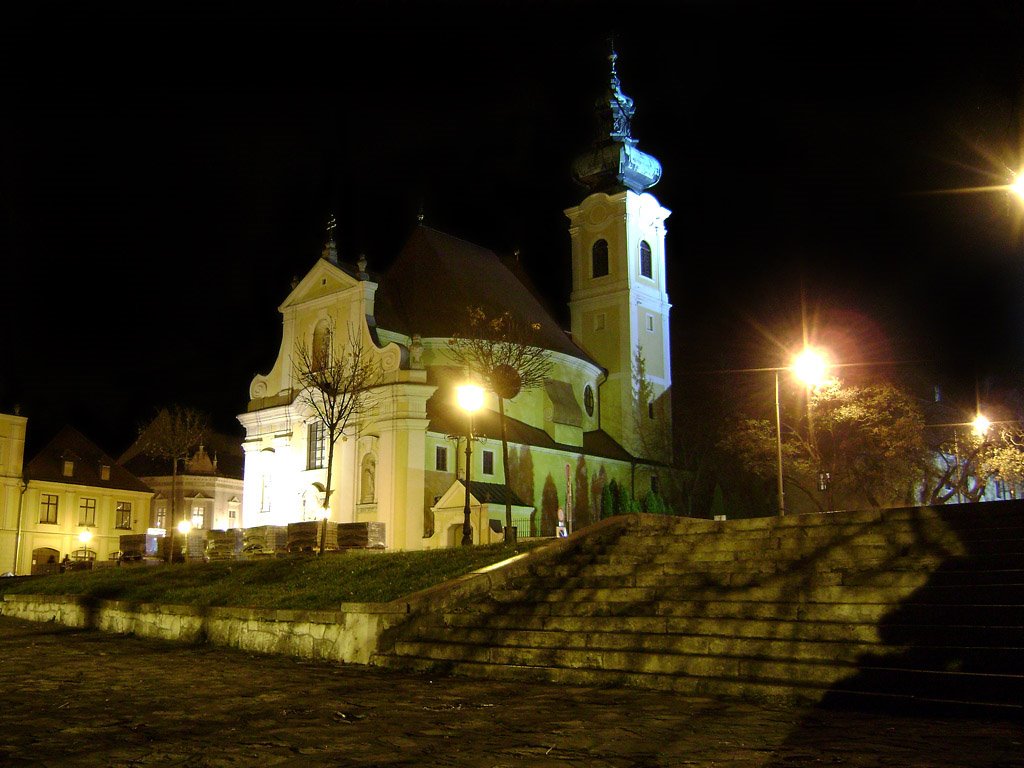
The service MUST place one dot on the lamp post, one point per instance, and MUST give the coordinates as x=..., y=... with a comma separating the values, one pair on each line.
x=184, y=528
x=809, y=366
x=470, y=398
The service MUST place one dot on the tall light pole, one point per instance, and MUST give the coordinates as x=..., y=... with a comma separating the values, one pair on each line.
x=809, y=366
x=470, y=398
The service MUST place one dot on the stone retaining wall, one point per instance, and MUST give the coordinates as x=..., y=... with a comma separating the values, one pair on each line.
x=351, y=634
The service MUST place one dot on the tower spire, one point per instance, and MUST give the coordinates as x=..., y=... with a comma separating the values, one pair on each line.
x=330, y=251
x=613, y=162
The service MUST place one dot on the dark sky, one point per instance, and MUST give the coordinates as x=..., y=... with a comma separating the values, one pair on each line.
x=166, y=172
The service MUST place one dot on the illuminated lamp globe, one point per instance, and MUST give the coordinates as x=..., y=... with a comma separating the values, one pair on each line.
x=85, y=536
x=184, y=527
x=980, y=425
x=1018, y=186
x=470, y=397
x=810, y=366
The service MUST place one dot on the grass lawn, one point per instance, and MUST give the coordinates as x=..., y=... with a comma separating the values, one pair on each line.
x=297, y=582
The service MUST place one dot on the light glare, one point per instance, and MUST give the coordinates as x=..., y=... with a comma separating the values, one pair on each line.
x=981, y=425
x=810, y=366
x=470, y=397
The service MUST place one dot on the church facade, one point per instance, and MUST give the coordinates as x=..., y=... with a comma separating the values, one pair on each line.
x=402, y=461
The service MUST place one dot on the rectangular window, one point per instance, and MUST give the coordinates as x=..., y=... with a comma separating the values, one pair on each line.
x=198, y=516
x=650, y=322
x=441, y=458
x=315, y=444
x=87, y=512
x=231, y=514
x=161, y=517
x=123, y=515
x=48, y=508
x=69, y=468
x=105, y=472
x=488, y=457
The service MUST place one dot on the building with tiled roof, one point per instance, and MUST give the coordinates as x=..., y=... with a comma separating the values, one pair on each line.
x=402, y=462
x=73, y=501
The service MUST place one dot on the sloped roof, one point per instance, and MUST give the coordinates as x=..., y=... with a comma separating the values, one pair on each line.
x=446, y=418
x=226, y=448
x=437, y=277
x=70, y=444
x=492, y=493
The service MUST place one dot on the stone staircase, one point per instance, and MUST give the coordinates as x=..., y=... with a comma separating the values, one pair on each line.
x=912, y=606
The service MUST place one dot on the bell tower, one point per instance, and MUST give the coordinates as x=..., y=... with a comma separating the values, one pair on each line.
x=619, y=304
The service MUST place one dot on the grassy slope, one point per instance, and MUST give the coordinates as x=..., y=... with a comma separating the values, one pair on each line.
x=300, y=582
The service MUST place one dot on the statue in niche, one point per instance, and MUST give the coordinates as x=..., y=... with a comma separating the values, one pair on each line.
x=367, y=492
x=416, y=352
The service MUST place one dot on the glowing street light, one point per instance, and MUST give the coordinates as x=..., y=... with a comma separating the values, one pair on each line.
x=470, y=398
x=85, y=536
x=1017, y=187
x=809, y=367
x=980, y=425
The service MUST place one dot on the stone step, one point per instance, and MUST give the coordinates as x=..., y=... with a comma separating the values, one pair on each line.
x=707, y=546
x=610, y=591
x=918, y=613
x=679, y=576
x=980, y=528
x=939, y=656
x=1007, y=689
x=978, y=635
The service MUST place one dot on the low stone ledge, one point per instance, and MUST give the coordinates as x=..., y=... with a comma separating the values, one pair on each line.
x=350, y=635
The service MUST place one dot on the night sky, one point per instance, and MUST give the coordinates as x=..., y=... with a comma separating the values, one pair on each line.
x=165, y=173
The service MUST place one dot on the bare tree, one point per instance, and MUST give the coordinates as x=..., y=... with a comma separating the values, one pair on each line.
x=503, y=350
x=335, y=379
x=174, y=435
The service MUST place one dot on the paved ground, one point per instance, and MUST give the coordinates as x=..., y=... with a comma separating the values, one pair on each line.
x=84, y=698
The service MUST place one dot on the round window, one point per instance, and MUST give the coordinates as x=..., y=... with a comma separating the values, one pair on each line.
x=588, y=399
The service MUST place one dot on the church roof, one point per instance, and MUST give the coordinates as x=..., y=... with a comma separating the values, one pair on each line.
x=492, y=493
x=445, y=418
x=436, y=279
x=88, y=460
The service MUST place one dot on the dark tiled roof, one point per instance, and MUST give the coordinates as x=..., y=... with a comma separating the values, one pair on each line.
x=227, y=449
x=446, y=418
x=493, y=493
x=70, y=444
x=437, y=278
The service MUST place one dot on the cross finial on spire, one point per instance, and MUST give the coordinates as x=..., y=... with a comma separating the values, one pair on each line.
x=331, y=226
x=330, y=251
x=420, y=216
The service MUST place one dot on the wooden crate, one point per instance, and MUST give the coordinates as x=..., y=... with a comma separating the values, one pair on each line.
x=265, y=540
x=305, y=536
x=369, y=535
x=224, y=545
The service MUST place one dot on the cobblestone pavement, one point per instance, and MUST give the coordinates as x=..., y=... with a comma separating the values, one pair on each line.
x=84, y=698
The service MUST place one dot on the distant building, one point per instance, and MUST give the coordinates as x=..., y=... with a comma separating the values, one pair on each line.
x=207, y=490
x=403, y=463
x=72, y=500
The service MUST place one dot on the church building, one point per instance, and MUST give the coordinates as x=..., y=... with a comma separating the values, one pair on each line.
x=402, y=461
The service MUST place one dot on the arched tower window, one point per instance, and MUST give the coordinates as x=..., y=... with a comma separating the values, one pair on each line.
x=646, y=267
x=321, y=344
x=599, y=258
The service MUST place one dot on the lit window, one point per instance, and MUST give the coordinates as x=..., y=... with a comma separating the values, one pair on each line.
x=488, y=458
x=599, y=260
x=441, y=458
x=316, y=442
x=87, y=512
x=69, y=468
x=646, y=268
x=231, y=512
x=161, y=517
x=123, y=515
x=198, y=515
x=48, y=508
x=105, y=472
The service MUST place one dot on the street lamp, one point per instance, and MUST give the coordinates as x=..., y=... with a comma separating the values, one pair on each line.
x=470, y=398
x=809, y=367
x=184, y=528
x=980, y=425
